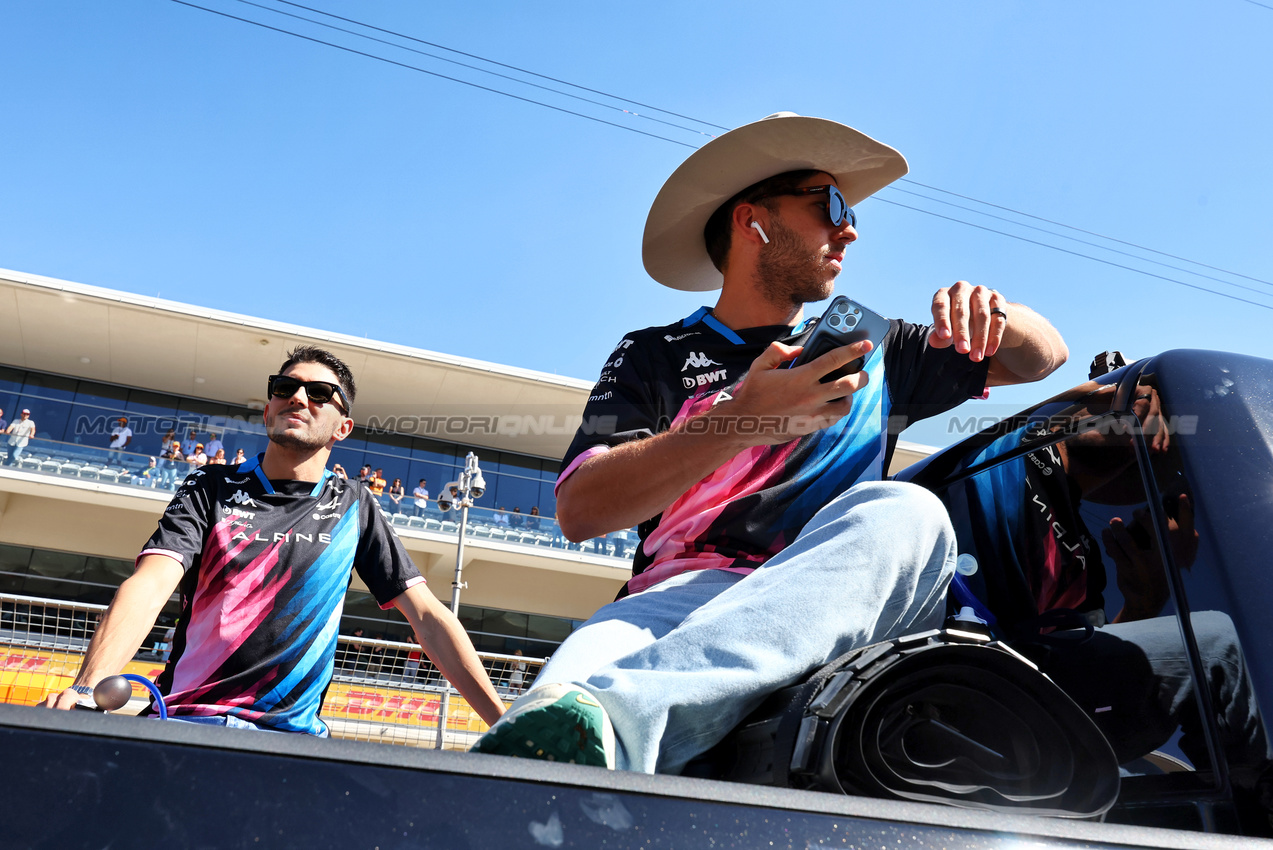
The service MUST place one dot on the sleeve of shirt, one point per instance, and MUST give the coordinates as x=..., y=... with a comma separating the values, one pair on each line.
x=380, y=559
x=184, y=526
x=623, y=406
x=924, y=381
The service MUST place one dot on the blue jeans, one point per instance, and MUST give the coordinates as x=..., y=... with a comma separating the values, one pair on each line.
x=227, y=720
x=1134, y=681
x=677, y=666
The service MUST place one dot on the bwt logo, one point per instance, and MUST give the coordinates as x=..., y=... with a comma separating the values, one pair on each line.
x=703, y=379
x=699, y=360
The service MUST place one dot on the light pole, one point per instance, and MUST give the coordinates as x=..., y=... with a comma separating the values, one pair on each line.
x=459, y=494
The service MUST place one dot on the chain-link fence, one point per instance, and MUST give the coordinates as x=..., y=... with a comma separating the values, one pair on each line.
x=381, y=690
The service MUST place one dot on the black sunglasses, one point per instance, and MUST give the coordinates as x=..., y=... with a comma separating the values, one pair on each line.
x=319, y=392
x=836, y=207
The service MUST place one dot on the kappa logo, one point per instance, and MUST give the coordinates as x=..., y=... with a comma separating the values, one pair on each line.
x=241, y=498
x=699, y=360
x=703, y=380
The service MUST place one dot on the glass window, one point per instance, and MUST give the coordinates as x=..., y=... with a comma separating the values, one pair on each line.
x=57, y=565
x=436, y=452
x=51, y=387
x=553, y=629
x=107, y=571
x=13, y=568
x=11, y=381
x=109, y=396
x=510, y=491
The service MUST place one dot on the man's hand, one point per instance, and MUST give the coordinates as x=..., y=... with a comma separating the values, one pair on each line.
x=65, y=700
x=962, y=317
x=125, y=624
x=1019, y=343
x=774, y=404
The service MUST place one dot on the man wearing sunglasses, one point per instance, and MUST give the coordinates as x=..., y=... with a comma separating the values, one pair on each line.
x=261, y=554
x=769, y=544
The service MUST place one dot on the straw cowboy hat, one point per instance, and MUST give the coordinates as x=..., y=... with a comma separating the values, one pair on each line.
x=673, y=248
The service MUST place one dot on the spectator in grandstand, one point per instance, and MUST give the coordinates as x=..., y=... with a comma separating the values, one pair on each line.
x=20, y=432
x=377, y=483
x=151, y=476
x=411, y=667
x=364, y=474
x=198, y=457
x=397, y=493
x=120, y=436
x=4, y=423
x=337, y=469
x=213, y=445
x=501, y=516
x=192, y=440
x=261, y=562
x=532, y=521
x=421, y=494
x=516, y=519
x=177, y=466
x=239, y=458
x=516, y=675
x=218, y=459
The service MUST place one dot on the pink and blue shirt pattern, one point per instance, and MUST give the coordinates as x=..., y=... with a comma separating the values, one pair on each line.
x=753, y=506
x=267, y=565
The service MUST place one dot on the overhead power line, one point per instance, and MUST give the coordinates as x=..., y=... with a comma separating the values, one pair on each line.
x=480, y=70
x=502, y=65
x=1088, y=232
x=431, y=73
x=1096, y=245
x=719, y=127
x=1076, y=253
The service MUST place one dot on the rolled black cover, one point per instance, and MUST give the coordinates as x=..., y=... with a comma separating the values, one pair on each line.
x=945, y=716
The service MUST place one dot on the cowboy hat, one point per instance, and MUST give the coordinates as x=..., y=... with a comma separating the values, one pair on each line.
x=673, y=248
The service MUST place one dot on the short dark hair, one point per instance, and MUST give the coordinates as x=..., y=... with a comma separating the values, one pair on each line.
x=716, y=233
x=314, y=354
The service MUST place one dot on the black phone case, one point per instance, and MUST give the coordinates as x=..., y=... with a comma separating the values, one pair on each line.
x=844, y=322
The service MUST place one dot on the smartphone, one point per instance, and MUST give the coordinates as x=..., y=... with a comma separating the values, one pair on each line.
x=844, y=322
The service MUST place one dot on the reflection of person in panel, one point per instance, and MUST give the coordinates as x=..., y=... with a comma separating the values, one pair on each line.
x=1042, y=570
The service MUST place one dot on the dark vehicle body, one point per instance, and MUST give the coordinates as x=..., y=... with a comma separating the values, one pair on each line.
x=1143, y=495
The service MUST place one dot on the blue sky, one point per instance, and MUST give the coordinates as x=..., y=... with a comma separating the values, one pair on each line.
x=160, y=149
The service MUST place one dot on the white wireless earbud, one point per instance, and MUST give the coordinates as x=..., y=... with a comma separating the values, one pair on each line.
x=761, y=231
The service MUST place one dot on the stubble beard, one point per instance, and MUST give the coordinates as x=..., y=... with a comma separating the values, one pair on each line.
x=295, y=442
x=788, y=273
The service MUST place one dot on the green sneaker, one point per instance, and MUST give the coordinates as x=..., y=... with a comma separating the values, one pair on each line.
x=553, y=723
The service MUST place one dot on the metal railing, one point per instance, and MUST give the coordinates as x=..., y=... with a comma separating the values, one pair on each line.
x=382, y=691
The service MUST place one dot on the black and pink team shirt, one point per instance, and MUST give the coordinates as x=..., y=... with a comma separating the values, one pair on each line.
x=267, y=565
x=754, y=505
